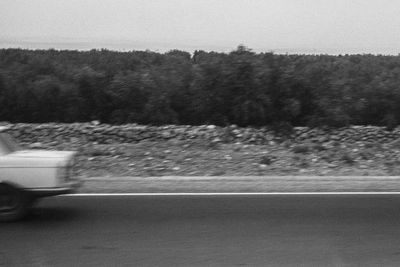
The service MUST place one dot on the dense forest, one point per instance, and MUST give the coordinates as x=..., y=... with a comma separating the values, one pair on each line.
x=240, y=87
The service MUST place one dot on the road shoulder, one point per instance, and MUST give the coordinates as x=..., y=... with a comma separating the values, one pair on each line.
x=244, y=184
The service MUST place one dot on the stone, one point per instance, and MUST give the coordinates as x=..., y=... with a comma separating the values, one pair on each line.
x=263, y=166
x=36, y=145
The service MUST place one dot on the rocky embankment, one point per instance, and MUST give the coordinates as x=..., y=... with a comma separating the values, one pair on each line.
x=54, y=134
x=138, y=150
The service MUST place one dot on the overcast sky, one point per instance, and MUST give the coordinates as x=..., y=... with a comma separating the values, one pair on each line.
x=354, y=26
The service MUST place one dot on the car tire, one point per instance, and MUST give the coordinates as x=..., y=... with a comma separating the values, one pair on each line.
x=13, y=203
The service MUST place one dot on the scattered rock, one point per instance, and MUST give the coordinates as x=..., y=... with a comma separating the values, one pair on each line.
x=266, y=160
x=36, y=145
x=105, y=133
x=301, y=149
x=239, y=150
x=263, y=166
x=218, y=173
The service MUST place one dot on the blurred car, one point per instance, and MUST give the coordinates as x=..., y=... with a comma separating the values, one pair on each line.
x=27, y=175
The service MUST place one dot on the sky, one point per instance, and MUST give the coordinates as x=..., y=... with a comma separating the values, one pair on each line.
x=283, y=26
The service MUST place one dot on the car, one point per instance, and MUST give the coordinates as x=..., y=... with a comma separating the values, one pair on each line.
x=28, y=174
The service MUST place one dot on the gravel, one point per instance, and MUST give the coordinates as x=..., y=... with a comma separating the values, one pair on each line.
x=208, y=150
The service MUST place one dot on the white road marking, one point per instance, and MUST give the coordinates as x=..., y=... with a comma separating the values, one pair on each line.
x=230, y=194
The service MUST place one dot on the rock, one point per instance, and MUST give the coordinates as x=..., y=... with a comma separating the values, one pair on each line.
x=263, y=166
x=166, y=135
x=266, y=160
x=215, y=143
x=36, y=145
x=237, y=148
x=218, y=173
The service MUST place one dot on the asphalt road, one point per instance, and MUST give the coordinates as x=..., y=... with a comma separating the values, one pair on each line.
x=313, y=230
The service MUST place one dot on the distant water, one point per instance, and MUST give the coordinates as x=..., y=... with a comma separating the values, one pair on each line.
x=164, y=47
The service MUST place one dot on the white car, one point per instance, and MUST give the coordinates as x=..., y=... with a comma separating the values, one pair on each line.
x=26, y=175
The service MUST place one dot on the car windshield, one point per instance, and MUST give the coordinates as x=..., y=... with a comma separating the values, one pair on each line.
x=7, y=144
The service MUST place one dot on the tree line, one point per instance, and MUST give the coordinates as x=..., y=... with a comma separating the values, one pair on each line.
x=241, y=87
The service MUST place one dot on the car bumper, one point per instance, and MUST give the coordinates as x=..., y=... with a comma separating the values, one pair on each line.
x=68, y=188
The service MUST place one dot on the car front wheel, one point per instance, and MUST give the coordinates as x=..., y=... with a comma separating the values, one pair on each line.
x=13, y=203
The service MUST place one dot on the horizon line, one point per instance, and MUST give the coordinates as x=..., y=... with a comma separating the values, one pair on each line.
x=125, y=45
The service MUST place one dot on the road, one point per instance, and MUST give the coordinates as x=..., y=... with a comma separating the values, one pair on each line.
x=268, y=230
